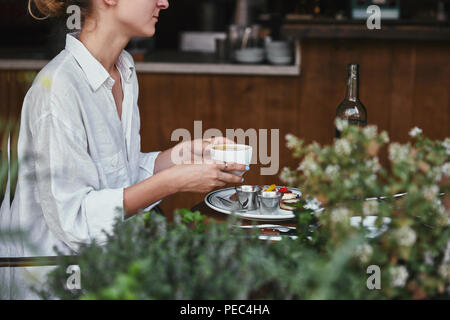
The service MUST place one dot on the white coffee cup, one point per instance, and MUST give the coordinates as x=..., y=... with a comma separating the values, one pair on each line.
x=232, y=153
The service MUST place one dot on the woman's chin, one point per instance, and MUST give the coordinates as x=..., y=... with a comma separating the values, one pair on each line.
x=149, y=31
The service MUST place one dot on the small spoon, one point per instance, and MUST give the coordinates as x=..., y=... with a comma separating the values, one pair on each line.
x=231, y=204
x=247, y=32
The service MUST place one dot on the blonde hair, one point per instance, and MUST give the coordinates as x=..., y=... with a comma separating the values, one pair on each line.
x=49, y=8
x=56, y=8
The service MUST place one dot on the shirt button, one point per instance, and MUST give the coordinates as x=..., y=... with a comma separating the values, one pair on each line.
x=110, y=83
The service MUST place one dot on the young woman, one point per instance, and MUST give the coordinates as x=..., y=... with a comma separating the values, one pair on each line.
x=79, y=135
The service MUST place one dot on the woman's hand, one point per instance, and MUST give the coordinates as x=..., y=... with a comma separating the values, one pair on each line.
x=202, y=147
x=195, y=151
x=203, y=177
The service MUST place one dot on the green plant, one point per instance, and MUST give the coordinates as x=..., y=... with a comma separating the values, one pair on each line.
x=148, y=258
x=194, y=219
x=415, y=249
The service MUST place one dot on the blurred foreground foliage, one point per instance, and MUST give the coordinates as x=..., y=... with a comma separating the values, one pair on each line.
x=409, y=237
x=149, y=258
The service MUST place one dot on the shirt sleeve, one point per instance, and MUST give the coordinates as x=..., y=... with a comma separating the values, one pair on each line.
x=147, y=164
x=147, y=169
x=76, y=210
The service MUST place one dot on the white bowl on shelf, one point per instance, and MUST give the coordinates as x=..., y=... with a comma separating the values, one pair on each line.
x=279, y=53
x=277, y=45
x=279, y=60
x=249, y=55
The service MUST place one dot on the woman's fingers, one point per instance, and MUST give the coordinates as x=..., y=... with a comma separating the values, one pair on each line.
x=232, y=167
x=220, y=183
x=209, y=143
x=221, y=140
x=229, y=178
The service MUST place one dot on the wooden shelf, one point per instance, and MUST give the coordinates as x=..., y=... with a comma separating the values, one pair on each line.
x=174, y=65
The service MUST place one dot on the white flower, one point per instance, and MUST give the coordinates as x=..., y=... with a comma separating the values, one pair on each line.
x=430, y=192
x=443, y=218
x=415, y=132
x=364, y=252
x=348, y=184
x=405, y=236
x=398, y=153
x=444, y=271
x=287, y=176
x=446, y=169
x=384, y=137
x=370, y=208
x=370, y=180
x=315, y=146
x=428, y=256
x=332, y=171
x=339, y=215
x=308, y=165
x=374, y=165
x=312, y=204
x=341, y=124
x=435, y=174
x=438, y=205
x=446, y=144
x=370, y=132
x=399, y=275
x=354, y=176
x=447, y=253
x=343, y=147
x=291, y=141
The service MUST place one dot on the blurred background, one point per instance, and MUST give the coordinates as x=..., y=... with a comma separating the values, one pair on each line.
x=262, y=64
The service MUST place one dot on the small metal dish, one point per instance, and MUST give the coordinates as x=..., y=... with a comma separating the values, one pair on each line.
x=269, y=201
x=247, y=196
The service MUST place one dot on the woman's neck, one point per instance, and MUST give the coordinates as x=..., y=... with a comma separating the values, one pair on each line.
x=105, y=44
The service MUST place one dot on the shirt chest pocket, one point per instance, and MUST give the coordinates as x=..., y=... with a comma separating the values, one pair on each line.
x=114, y=170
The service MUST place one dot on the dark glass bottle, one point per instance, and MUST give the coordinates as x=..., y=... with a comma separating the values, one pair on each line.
x=351, y=108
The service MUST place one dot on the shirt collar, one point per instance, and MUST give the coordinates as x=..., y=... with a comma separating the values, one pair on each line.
x=125, y=64
x=95, y=72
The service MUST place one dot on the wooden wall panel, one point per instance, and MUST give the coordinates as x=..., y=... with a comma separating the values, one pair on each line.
x=431, y=90
x=402, y=92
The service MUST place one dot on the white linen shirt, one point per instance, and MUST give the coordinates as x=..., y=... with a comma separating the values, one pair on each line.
x=76, y=155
